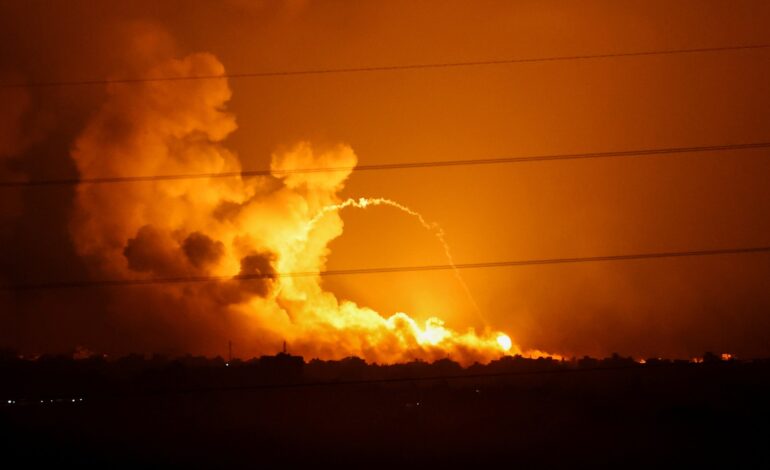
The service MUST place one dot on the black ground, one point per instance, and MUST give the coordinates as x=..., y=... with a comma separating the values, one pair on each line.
x=518, y=412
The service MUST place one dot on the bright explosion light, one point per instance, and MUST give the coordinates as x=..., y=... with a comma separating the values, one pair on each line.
x=505, y=342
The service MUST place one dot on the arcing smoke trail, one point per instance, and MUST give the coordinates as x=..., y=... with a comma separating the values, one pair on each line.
x=364, y=202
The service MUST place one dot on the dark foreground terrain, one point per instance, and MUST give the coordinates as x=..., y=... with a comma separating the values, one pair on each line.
x=280, y=410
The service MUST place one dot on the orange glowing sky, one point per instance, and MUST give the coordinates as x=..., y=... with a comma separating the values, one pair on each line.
x=665, y=307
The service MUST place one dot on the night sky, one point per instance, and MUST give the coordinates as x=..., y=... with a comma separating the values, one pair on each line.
x=678, y=202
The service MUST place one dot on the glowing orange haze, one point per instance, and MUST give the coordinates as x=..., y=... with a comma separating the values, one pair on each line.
x=676, y=307
x=225, y=227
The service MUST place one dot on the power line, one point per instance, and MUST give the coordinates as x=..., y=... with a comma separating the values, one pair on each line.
x=388, y=166
x=379, y=68
x=377, y=270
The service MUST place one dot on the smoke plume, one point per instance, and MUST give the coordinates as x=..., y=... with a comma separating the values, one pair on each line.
x=260, y=227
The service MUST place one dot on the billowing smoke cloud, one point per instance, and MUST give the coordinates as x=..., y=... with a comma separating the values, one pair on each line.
x=258, y=228
x=201, y=250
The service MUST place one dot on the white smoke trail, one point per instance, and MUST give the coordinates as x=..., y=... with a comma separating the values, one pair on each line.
x=364, y=202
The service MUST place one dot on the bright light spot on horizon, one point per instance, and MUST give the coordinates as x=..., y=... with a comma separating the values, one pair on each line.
x=505, y=342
